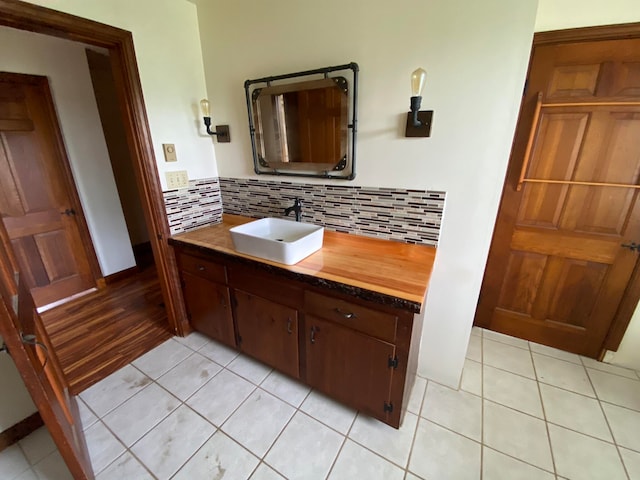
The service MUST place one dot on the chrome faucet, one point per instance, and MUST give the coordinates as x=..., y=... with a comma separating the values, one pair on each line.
x=297, y=208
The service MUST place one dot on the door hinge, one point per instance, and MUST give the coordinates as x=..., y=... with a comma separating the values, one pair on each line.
x=388, y=407
x=239, y=339
x=526, y=84
x=393, y=362
x=188, y=316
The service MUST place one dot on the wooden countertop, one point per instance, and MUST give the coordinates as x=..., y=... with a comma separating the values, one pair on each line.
x=387, y=268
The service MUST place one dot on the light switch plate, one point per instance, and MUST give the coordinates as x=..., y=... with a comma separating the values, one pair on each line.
x=169, y=152
x=177, y=179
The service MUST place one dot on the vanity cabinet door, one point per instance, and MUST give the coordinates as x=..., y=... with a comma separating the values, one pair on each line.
x=268, y=331
x=208, y=307
x=349, y=366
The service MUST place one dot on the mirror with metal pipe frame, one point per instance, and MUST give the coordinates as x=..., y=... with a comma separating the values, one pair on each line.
x=304, y=123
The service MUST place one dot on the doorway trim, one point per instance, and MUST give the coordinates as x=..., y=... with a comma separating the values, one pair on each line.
x=34, y=18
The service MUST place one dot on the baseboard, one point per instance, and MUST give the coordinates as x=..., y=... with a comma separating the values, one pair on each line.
x=20, y=430
x=121, y=275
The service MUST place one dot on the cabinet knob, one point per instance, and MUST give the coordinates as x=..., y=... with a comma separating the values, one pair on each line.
x=289, y=331
x=201, y=268
x=313, y=335
x=347, y=315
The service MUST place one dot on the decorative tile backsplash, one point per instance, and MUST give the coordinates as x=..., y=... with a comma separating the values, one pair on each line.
x=410, y=216
x=197, y=205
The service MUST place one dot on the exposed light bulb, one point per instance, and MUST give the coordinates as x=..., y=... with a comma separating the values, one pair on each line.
x=418, y=78
x=204, y=106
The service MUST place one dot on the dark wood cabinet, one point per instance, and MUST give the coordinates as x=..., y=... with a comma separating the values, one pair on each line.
x=208, y=303
x=350, y=366
x=353, y=350
x=268, y=331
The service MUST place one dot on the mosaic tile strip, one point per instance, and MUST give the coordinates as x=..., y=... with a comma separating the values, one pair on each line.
x=410, y=216
x=192, y=207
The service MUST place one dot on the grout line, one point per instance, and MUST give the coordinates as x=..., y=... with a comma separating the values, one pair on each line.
x=415, y=432
x=611, y=373
x=606, y=419
x=596, y=393
x=544, y=414
x=495, y=340
x=335, y=460
x=376, y=453
x=346, y=437
x=117, y=439
x=544, y=383
x=519, y=460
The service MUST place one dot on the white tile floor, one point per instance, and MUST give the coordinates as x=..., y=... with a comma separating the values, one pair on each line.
x=193, y=409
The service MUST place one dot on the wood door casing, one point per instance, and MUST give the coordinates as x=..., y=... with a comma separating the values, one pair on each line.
x=50, y=245
x=268, y=331
x=556, y=271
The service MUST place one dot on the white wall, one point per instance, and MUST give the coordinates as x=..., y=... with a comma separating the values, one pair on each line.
x=167, y=43
x=15, y=402
x=559, y=14
x=628, y=354
x=475, y=54
x=65, y=64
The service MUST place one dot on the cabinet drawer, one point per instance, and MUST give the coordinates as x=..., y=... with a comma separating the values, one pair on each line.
x=202, y=268
x=367, y=320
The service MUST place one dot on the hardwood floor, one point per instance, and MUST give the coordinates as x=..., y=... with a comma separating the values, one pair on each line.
x=95, y=335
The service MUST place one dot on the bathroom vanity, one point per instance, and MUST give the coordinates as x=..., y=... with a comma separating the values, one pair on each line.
x=341, y=320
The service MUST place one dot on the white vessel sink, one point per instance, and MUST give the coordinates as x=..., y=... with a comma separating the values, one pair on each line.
x=278, y=240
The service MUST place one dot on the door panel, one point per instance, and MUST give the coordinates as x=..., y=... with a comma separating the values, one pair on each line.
x=209, y=308
x=39, y=205
x=29, y=346
x=268, y=331
x=556, y=270
x=521, y=282
x=573, y=81
x=349, y=365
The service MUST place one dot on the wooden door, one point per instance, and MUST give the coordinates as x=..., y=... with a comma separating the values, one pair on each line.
x=558, y=268
x=268, y=331
x=28, y=344
x=209, y=308
x=349, y=366
x=38, y=202
x=320, y=114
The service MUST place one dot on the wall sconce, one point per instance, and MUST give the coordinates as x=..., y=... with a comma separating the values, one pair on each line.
x=222, y=131
x=418, y=121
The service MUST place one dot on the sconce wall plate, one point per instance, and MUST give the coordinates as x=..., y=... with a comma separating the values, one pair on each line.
x=424, y=129
x=223, y=134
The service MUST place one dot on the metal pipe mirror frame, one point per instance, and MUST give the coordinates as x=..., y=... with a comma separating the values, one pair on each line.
x=340, y=172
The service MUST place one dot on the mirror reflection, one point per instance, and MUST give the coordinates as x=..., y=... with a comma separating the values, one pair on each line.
x=303, y=126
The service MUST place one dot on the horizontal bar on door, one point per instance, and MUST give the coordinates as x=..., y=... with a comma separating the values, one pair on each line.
x=588, y=184
x=591, y=104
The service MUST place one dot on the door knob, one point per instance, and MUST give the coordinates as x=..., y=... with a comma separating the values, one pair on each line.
x=69, y=212
x=633, y=246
